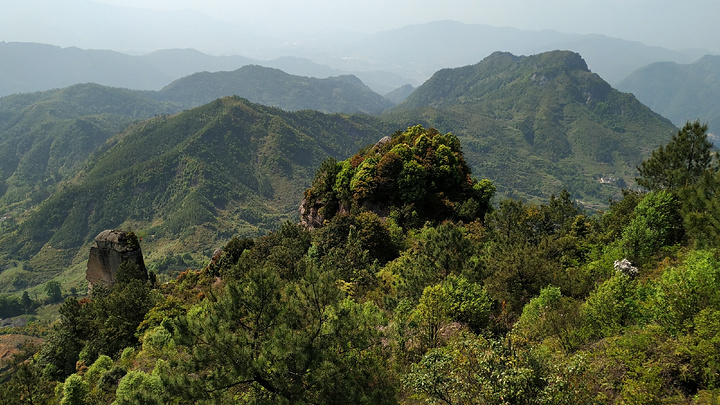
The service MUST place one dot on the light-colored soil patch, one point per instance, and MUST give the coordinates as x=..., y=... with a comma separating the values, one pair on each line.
x=9, y=344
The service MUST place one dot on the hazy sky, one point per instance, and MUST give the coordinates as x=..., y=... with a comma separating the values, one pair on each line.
x=673, y=24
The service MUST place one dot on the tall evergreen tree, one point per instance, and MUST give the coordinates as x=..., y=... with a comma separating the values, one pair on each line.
x=679, y=164
x=273, y=340
x=701, y=210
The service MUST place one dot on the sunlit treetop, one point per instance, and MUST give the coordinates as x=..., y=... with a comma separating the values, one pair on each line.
x=414, y=176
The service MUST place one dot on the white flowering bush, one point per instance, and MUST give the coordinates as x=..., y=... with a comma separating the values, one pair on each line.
x=625, y=267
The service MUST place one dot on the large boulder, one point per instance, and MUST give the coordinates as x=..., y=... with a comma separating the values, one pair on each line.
x=310, y=216
x=111, y=248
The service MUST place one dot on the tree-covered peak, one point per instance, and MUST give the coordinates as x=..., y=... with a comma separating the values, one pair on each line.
x=414, y=176
x=268, y=86
x=537, y=124
x=503, y=75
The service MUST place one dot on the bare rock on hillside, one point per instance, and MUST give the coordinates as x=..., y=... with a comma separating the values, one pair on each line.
x=111, y=248
x=310, y=216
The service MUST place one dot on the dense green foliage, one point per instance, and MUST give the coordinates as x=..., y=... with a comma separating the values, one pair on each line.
x=416, y=176
x=530, y=304
x=105, y=324
x=681, y=164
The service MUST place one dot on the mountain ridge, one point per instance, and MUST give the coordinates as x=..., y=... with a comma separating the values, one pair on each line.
x=539, y=123
x=31, y=67
x=269, y=86
x=531, y=124
x=384, y=61
x=681, y=92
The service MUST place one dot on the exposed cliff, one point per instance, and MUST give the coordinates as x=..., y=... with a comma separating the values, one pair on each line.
x=111, y=248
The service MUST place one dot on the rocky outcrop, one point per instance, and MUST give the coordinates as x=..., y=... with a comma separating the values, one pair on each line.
x=111, y=248
x=310, y=216
x=382, y=142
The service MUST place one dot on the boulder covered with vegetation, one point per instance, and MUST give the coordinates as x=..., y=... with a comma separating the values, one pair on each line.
x=412, y=177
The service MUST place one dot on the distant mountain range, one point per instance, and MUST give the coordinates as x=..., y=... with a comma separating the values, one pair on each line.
x=399, y=95
x=680, y=92
x=346, y=94
x=384, y=61
x=426, y=48
x=30, y=67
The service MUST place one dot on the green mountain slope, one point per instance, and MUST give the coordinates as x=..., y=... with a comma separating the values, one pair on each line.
x=227, y=168
x=399, y=95
x=537, y=124
x=680, y=92
x=46, y=137
x=533, y=125
x=345, y=94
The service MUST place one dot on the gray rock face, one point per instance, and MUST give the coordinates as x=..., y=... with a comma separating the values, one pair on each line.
x=111, y=248
x=382, y=142
x=310, y=216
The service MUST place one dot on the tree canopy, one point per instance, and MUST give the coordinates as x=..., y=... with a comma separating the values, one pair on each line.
x=681, y=163
x=399, y=304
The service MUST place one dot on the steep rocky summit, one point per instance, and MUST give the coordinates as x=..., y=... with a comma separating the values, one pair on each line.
x=112, y=247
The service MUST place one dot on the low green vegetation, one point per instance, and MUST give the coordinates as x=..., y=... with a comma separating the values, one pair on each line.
x=513, y=304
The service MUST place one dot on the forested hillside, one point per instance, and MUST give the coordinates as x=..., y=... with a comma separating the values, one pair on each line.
x=680, y=92
x=532, y=125
x=46, y=137
x=538, y=124
x=229, y=167
x=273, y=87
x=397, y=303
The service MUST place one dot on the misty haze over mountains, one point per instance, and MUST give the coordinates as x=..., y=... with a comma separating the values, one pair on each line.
x=384, y=61
x=148, y=45
x=281, y=27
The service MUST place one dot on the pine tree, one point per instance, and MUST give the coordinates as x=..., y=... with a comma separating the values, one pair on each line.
x=701, y=210
x=679, y=164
